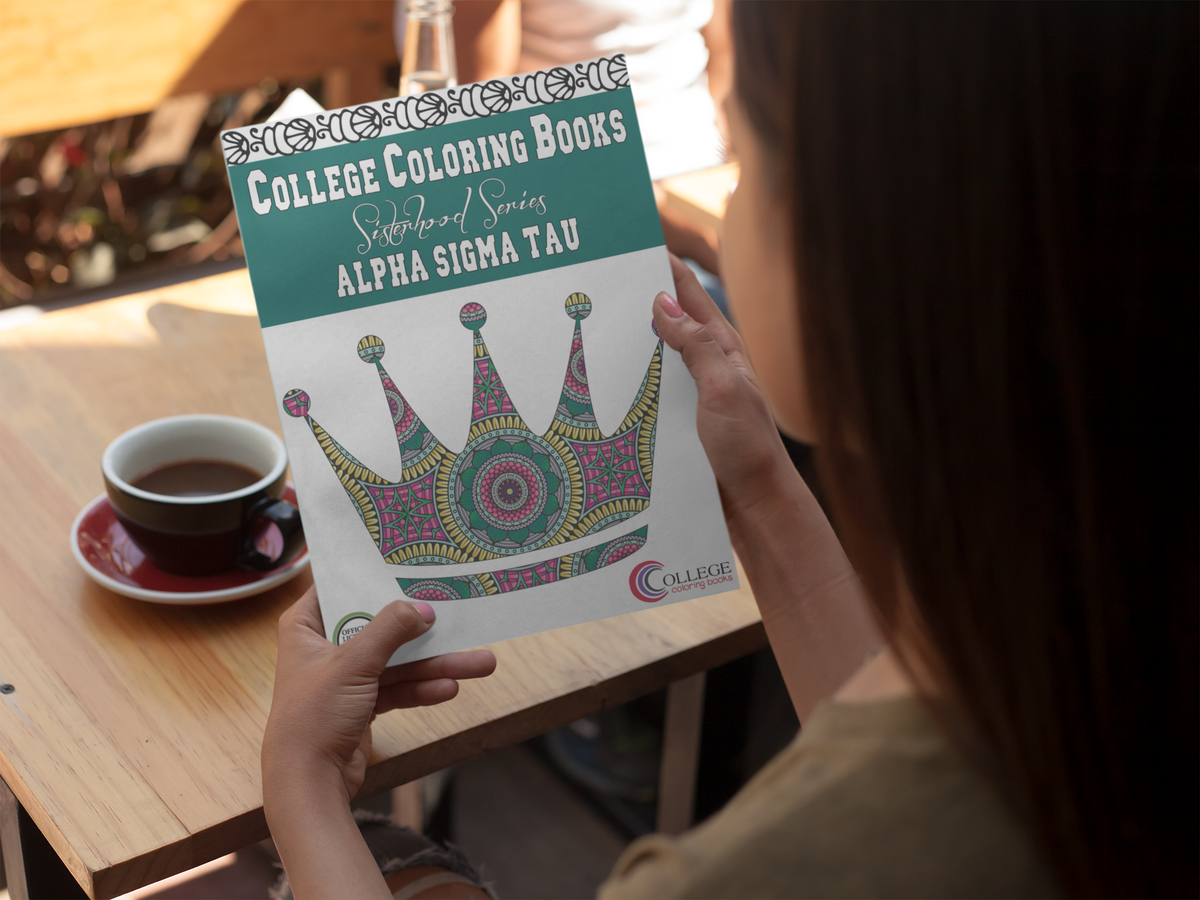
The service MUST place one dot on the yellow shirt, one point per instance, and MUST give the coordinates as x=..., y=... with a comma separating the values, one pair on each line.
x=868, y=801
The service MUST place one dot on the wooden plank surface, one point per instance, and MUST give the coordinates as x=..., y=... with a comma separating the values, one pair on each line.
x=701, y=196
x=70, y=62
x=134, y=732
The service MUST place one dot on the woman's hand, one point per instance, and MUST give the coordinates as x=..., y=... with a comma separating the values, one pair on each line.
x=318, y=737
x=326, y=696
x=733, y=417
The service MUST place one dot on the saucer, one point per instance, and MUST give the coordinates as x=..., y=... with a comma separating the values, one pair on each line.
x=112, y=560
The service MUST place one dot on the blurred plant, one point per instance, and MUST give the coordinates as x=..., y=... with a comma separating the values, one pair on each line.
x=87, y=206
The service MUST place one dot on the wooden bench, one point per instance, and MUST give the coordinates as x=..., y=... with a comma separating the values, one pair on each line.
x=71, y=62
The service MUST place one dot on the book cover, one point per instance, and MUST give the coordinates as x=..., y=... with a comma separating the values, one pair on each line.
x=455, y=296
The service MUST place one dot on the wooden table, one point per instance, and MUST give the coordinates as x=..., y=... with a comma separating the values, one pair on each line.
x=700, y=197
x=132, y=732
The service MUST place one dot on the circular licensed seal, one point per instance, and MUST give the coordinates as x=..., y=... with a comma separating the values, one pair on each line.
x=350, y=625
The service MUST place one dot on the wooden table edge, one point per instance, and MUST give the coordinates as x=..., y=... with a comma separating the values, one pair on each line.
x=71, y=859
x=250, y=826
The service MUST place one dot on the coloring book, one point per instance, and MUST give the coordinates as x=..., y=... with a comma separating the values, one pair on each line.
x=429, y=273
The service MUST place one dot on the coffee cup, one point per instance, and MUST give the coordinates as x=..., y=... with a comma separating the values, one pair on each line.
x=197, y=493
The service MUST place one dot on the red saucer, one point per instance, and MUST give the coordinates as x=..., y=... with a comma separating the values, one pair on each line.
x=110, y=558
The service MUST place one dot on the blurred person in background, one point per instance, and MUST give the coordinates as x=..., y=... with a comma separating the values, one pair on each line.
x=678, y=56
x=668, y=67
x=963, y=252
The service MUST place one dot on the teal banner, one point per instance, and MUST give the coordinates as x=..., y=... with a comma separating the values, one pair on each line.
x=404, y=215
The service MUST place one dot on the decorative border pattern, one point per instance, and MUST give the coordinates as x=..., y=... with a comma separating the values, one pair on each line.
x=456, y=104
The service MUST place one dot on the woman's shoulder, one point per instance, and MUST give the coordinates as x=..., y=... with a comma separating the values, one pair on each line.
x=870, y=800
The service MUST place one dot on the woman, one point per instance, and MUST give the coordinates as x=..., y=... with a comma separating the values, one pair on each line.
x=963, y=257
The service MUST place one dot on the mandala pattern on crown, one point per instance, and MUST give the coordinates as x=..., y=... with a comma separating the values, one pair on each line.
x=508, y=491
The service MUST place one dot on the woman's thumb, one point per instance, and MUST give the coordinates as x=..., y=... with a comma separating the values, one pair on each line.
x=395, y=625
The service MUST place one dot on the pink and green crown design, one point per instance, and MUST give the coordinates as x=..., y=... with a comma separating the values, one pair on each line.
x=508, y=491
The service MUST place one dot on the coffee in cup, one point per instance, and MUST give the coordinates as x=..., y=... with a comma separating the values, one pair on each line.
x=196, y=478
x=196, y=492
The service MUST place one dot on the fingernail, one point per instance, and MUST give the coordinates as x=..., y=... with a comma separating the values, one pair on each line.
x=672, y=307
x=425, y=610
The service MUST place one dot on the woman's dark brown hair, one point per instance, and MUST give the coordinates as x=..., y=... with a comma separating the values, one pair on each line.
x=995, y=213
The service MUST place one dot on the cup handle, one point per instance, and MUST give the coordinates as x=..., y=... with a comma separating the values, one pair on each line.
x=286, y=518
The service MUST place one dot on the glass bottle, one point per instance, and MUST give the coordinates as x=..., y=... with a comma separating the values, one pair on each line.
x=428, y=63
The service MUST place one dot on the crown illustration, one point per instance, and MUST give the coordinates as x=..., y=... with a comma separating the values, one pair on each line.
x=508, y=491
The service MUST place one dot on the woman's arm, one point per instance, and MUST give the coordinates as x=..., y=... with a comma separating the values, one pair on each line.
x=812, y=604
x=811, y=601
x=318, y=840
x=487, y=39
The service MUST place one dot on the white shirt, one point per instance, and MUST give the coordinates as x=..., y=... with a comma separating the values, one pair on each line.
x=667, y=61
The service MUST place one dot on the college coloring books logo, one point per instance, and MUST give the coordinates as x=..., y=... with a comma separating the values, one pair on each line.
x=639, y=581
x=650, y=583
